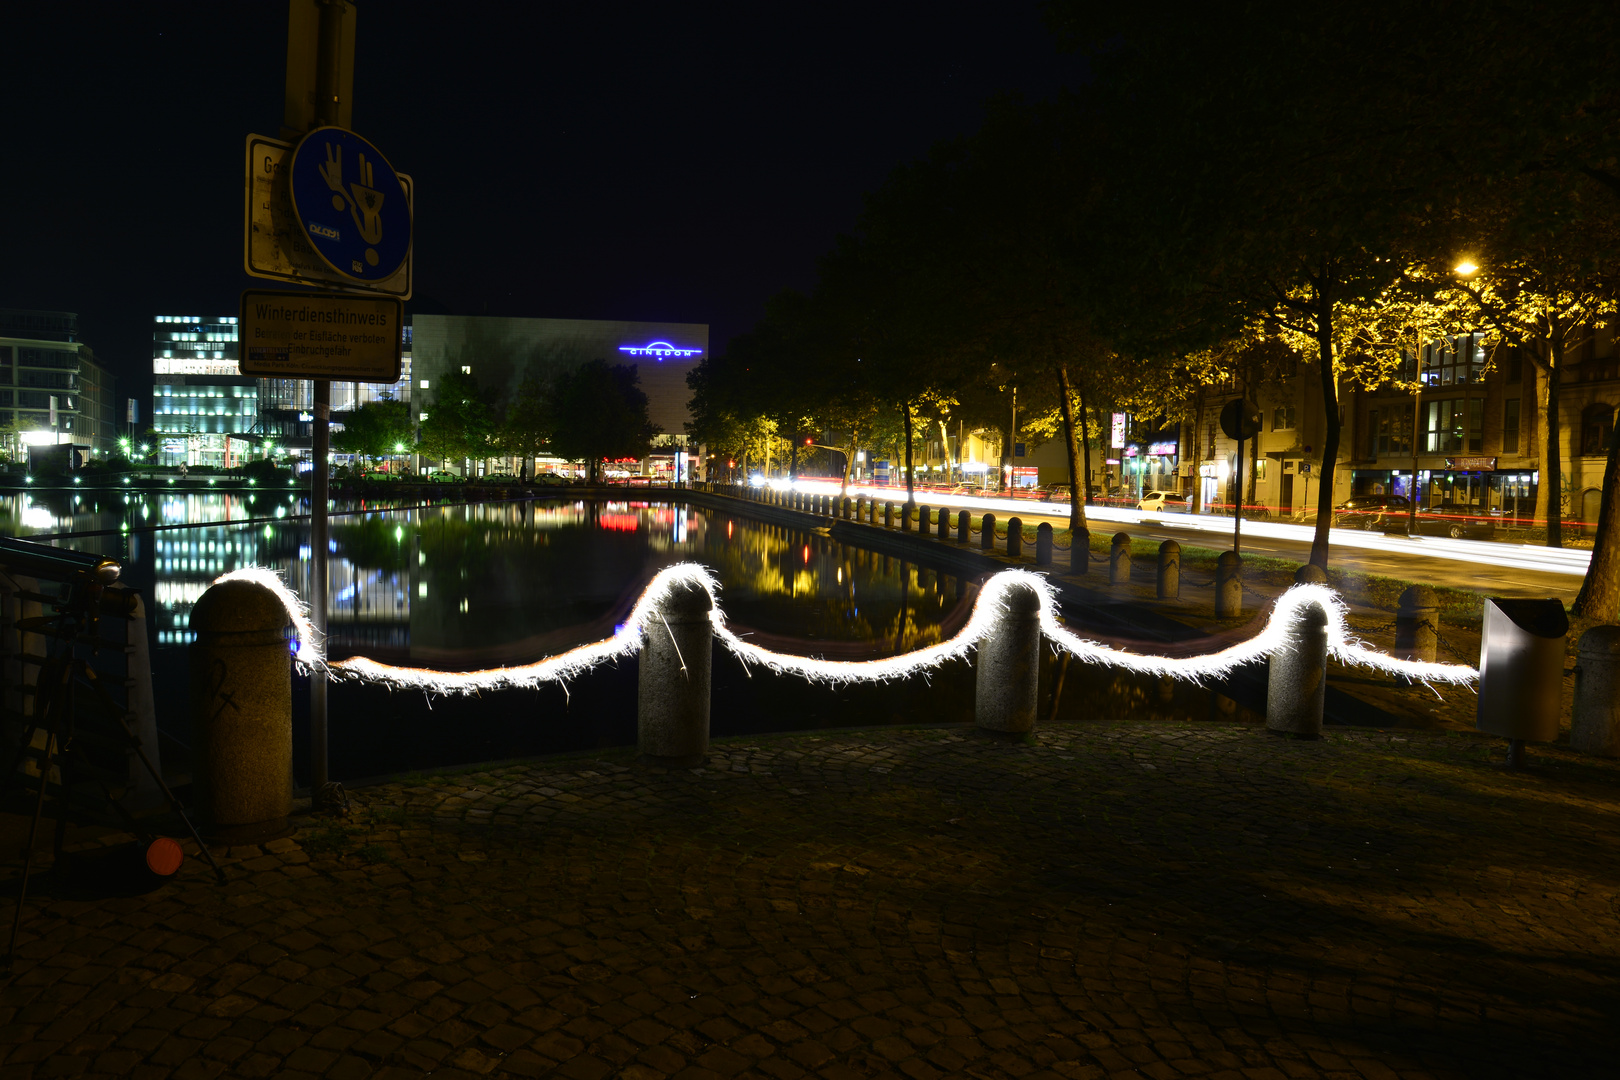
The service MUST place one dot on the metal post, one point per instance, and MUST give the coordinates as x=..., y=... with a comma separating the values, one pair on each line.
x=1237, y=520
x=319, y=493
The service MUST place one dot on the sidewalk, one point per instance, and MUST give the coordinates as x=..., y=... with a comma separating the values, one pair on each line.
x=1159, y=900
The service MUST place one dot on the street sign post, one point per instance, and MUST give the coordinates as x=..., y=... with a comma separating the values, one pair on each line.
x=294, y=335
x=274, y=244
x=351, y=205
x=1240, y=420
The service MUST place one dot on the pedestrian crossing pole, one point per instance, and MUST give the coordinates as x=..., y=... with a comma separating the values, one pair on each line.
x=319, y=92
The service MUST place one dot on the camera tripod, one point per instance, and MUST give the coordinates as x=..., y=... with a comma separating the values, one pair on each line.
x=71, y=747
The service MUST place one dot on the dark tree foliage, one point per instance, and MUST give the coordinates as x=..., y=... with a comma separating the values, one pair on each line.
x=599, y=412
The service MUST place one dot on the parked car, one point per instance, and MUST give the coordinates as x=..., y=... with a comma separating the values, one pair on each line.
x=1457, y=522
x=441, y=476
x=1368, y=511
x=1054, y=493
x=1153, y=501
x=550, y=480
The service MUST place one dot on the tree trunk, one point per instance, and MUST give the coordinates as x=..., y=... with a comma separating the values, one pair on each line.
x=945, y=445
x=1254, y=468
x=1197, y=456
x=911, y=479
x=1599, y=599
x=1553, y=479
x=1085, y=446
x=849, y=457
x=793, y=458
x=1331, y=431
x=1077, y=509
x=1540, y=511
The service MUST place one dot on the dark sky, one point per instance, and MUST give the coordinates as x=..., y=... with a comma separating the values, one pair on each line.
x=666, y=161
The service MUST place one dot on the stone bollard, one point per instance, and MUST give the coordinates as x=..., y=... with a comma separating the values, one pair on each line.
x=1119, y=560
x=1296, y=684
x=1043, y=544
x=1008, y=664
x=1417, y=624
x=905, y=517
x=1169, y=570
x=964, y=522
x=241, y=713
x=846, y=509
x=1521, y=672
x=888, y=515
x=1310, y=574
x=922, y=520
x=1228, y=585
x=1080, y=552
x=1596, y=725
x=1015, y=538
x=987, y=532
x=672, y=695
x=944, y=524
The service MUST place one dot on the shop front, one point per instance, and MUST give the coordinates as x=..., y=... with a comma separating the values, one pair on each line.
x=1466, y=483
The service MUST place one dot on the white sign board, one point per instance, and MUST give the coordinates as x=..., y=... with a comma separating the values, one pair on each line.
x=273, y=244
x=1118, y=436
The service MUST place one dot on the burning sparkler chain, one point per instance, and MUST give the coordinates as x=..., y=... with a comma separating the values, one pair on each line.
x=985, y=620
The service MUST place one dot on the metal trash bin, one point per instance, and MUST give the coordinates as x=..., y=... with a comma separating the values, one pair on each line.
x=1521, y=668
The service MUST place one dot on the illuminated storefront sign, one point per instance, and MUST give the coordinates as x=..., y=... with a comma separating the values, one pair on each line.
x=1118, y=430
x=1161, y=449
x=658, y=350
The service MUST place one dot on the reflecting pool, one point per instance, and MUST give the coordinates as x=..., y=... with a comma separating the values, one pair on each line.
x=463, y=586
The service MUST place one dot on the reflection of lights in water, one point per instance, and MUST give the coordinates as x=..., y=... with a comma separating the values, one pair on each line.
x=399, y=532
x=421, y=590
x=464, y=605
x=728, y=530
x=807, y=554
x=37, y=517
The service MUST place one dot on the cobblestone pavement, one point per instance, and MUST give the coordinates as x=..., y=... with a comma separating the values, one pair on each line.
x=1160, y=900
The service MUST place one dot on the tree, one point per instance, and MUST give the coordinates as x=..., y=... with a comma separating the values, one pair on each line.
x=525, y=431
x=374, y=430
x=1545, y=285
x=460, y=421
x=600, y=412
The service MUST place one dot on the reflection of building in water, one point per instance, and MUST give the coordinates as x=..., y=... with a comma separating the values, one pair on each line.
x=366, y=607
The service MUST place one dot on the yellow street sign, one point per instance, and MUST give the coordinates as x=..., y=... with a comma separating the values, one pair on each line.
x=297, y=335
x=274, y=245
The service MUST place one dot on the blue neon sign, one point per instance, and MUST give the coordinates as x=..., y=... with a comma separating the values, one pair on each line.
x=658, y=350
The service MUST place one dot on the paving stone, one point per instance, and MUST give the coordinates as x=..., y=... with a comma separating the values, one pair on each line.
x=1157, y=900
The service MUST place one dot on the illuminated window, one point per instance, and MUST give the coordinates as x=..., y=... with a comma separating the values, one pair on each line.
x=466, y=369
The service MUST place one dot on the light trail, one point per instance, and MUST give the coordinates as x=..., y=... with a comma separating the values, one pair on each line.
x=1484, y=552
x=986, y=615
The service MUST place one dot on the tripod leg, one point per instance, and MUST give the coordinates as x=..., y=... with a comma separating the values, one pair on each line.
x=135, y=744
x=28, y=852
x=174, y=804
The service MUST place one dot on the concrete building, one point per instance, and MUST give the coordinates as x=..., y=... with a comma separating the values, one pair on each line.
x=52, y=389
x=500, y=352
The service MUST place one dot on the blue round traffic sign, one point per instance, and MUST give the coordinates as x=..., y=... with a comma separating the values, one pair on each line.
x=350, y=204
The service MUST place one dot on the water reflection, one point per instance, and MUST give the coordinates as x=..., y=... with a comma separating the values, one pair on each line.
x=460, y=586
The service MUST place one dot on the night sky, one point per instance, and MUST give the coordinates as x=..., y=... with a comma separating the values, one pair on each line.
x=663, y=161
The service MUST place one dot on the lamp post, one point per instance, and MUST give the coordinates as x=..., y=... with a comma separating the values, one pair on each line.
x=1464, y=268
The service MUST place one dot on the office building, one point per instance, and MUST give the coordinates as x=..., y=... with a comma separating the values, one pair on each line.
x=45, y=373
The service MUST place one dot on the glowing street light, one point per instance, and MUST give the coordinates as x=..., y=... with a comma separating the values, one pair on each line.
x=1465, y=267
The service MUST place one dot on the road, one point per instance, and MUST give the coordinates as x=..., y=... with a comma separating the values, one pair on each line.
x=1491, y=567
